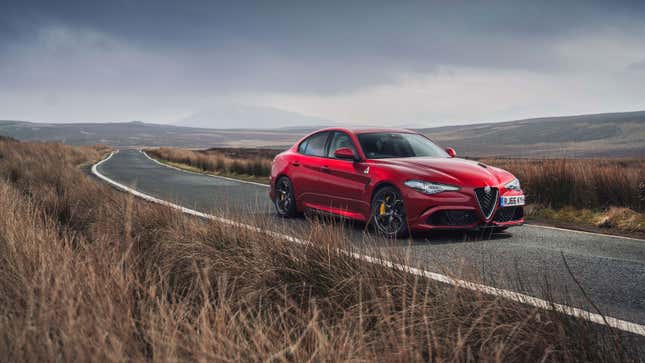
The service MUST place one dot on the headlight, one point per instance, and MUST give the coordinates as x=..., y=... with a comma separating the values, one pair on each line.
x=513, y=185
x=429, y=187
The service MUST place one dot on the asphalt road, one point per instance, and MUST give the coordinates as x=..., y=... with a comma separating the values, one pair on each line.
x=527, y=259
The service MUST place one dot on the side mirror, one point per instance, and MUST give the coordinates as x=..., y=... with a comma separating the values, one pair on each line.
x=451, y=152
x=345, y=153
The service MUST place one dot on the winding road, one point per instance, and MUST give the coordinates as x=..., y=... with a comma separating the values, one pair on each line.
x=528, y=259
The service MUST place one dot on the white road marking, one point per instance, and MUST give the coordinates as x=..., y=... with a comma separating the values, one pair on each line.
x=585, y=232
x=623, y=325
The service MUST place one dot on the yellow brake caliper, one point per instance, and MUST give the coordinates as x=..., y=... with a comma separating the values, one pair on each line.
x=381, y=209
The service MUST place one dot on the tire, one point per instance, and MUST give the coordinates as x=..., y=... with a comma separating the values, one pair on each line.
x=388, y=213
x=284, y=199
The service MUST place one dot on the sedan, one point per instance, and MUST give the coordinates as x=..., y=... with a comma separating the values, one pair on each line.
x=396, y=180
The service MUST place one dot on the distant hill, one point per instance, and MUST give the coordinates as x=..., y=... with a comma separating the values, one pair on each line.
x=607, y=134
x=226, y=116
x=598, y=135
x=136, y=133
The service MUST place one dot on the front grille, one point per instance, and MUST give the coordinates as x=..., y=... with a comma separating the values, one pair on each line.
x=509, y=214
x=452, y=218
x=487, y=201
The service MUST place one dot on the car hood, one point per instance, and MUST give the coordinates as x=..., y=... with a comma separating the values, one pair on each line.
x=453, y=171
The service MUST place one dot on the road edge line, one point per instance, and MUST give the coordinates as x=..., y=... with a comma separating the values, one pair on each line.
x=623, y=325
x=584, y=232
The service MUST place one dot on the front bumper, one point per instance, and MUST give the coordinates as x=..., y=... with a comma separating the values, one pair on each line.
x=458, y=210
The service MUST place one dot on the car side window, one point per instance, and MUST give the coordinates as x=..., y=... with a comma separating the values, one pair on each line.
x=340, y=140
x=303, y=146
x=316, y=144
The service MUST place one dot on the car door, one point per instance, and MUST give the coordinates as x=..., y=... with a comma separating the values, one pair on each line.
x=306, y=170
x=345, y=179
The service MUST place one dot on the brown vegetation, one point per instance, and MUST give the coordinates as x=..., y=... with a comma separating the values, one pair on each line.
x=243, y=153
x=580, y=183
x=614, y=219
x=90, y=274
x=224, y=162
x=7, y=138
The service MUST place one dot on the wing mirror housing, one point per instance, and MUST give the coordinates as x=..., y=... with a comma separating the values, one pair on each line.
x=451, y=152
x=345, y=153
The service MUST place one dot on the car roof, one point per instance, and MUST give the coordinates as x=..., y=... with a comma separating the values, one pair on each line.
x=367, y=130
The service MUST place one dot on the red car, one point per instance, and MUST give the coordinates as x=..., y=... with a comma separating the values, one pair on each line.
x=397, y=180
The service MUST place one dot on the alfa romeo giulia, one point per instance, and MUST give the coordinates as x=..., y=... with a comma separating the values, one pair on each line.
x=397, y=180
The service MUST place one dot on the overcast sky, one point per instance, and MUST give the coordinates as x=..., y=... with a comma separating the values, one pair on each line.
x=363, y=62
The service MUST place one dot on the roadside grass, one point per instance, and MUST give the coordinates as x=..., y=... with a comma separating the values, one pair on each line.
x=604, y=194
x=252, y=168
x=596, y=184
x=7, y=138
x=187, y=167
x=623, y=219
x=91, y=274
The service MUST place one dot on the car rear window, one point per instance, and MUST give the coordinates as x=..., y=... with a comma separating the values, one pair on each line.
x=315, y=144
x=303, y=146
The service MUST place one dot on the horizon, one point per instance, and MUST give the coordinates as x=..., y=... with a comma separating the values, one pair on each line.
x=364, y=63
x=464, y=123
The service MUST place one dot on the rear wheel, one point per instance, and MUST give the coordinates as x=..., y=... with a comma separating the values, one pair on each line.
x=388, y=214
x=284, y=199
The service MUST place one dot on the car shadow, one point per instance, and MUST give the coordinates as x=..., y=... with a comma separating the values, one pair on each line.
x=447, y=236
x=360, y=232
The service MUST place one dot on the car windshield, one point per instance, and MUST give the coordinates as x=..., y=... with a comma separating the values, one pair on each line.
x=398, y=145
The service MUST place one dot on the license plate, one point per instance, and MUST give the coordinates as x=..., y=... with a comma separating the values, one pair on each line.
x=511, y=201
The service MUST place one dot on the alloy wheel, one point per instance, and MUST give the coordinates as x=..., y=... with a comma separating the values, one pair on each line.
x=284, y=200
x=388, y=214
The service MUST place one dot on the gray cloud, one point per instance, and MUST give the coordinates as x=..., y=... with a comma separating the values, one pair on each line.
x=638, y=66
x=182, y=51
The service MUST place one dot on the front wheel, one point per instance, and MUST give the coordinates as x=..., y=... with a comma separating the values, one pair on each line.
x=284, y=199
x=388, y=213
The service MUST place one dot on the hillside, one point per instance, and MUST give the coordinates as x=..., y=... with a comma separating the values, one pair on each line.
x=609, y=134
x=135, y=134
x=598, y=135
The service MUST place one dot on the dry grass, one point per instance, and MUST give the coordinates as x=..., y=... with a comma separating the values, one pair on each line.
x=623, y=219
x=218, y=162
x=90, y=274
x=580, y=183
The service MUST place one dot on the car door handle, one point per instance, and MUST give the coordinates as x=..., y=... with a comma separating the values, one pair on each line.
x=325, y=168
x=295, y=163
